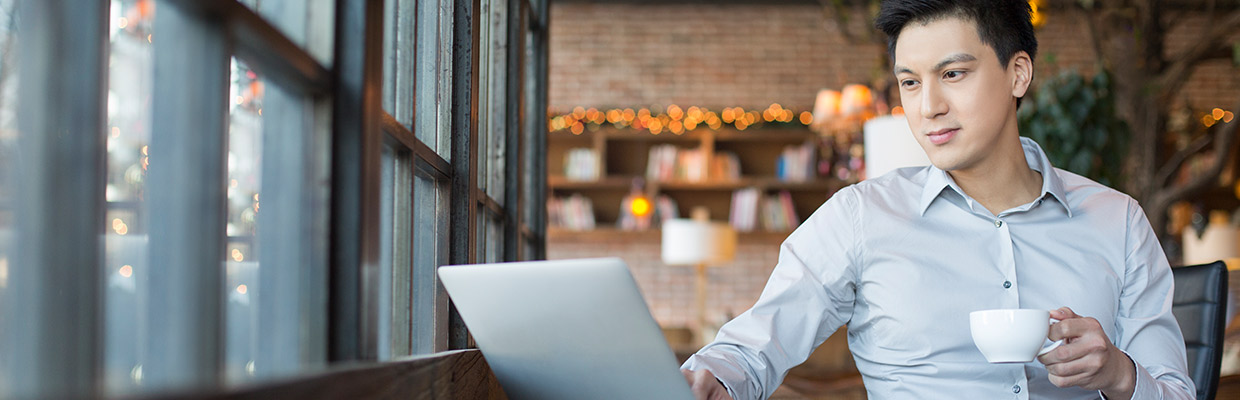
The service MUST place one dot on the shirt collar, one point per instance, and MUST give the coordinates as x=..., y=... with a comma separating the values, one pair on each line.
x=1052, y=185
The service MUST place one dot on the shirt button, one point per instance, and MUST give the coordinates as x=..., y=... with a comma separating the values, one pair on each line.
x=1016, y=389
x=1007, y=284
x=998, y=223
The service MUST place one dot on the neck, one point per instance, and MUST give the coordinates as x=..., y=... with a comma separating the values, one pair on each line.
x=1005, y=182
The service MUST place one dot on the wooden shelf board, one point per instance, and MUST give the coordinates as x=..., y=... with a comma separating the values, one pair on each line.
x=559, y=182
x=606, y=234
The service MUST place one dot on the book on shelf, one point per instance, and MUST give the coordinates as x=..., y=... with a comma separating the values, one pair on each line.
x=661, y=162
x=575, y=212
x=797, y=163
x=743, y=216
x=581, y=164
x=778, y=213
x=666, y=163
x=666, y=208
x=725, y=166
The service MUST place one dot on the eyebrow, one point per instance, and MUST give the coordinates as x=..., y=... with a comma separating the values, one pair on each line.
x=952, y=59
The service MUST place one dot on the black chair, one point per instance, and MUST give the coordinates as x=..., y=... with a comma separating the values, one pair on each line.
x=1200, y=307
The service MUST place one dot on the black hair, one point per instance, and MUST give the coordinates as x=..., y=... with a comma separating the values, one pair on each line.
x=1004, y=25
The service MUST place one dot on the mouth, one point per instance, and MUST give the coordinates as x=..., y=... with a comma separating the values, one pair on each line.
x=942, y=135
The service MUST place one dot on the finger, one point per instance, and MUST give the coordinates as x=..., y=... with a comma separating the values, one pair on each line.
x=1063, y=313
x=1073, y=328
x=1081, y=379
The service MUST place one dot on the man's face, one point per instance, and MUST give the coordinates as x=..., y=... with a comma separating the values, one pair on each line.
x=958, y=99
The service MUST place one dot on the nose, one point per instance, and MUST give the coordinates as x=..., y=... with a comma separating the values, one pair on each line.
x=932, y=102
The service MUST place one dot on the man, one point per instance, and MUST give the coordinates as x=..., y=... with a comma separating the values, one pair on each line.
x=903, y=258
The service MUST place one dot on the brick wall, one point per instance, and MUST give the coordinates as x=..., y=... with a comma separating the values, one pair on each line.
x=752, y=55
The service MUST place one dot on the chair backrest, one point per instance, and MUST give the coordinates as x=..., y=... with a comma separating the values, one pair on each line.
x=1200, y=306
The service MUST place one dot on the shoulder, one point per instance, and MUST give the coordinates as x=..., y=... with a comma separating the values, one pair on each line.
x=1084, y=194
x=898, y=182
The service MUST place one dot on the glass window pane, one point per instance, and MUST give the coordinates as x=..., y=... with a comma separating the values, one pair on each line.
x=125, y=240
x=308, y=23
x=494, y=113
x=395, y=302
x=8, y=145
x=430, y=250
x=495, y=240
x=276, y=256
x=398, y=46
x=245, y=151
x=433, y=72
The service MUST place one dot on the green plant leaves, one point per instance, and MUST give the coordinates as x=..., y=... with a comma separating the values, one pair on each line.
x=1074, y=120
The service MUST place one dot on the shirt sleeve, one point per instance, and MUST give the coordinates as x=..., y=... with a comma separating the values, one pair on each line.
x=1146, y=329
x=809, y=295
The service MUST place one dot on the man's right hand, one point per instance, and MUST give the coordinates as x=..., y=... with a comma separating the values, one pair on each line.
x=705, y=386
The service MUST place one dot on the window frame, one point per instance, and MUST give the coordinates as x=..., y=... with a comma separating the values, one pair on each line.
x=358, y=127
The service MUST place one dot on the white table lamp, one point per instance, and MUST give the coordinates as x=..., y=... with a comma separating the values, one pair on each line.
x=889, y=144
x=699, y=243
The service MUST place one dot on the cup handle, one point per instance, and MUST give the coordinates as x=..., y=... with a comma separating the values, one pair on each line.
x=1049, y=347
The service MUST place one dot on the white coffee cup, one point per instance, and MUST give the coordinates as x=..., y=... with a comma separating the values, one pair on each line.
x=1012, y=335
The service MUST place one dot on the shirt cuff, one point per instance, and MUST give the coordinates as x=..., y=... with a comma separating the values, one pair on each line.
x=725, y=371
x=1143, y=385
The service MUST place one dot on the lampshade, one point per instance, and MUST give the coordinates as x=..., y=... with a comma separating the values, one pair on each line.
x=889, y=144
x=687, y=242
x=826, y=105
x=855, y=99
x=1218, y=242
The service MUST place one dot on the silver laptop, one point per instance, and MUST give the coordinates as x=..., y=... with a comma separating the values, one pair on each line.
x=568, y=329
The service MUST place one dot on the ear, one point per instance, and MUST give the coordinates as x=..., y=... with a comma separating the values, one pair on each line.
x=1021, y=67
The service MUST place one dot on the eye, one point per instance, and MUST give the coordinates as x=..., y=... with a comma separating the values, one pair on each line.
x=908, y=83
x=953, y=74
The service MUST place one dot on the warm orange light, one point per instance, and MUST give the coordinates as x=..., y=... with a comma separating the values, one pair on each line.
x=1227, y=116
x=578, y=128
x=144, y=150
x=242, y=289
x=1208, y=121
x=897, y=110
x=119, y=226
x=1217, y=113
x=579, y=112
x=1035, y=17
x=640, y=206
x=126, y=271
x=806, y=118
x=855, y=99
x=695, y=113
x=122, y=22
x=237, y=256
x=676, y=127
x=675, y=112
x=656, y=126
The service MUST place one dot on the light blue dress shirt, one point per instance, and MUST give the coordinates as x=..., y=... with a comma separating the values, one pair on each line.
x=902, y=259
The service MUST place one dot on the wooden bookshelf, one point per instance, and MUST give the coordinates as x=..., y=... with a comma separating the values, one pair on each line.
x=622, y=161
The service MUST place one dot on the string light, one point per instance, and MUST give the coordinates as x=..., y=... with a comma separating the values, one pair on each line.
x=676, y=119
x=126, y=270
